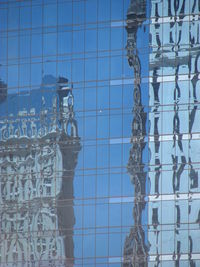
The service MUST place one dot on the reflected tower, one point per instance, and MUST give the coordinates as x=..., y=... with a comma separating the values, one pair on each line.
x=135, y=249
x=174, y=97
x=38, y=156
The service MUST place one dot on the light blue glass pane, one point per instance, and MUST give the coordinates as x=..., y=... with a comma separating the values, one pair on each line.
x=103, y=10
x=24, y=101
x=90, y=127
x=102, y=182
x=90, y=69
x=64, y=42
x=36, y=74
x=36, y=45
x=91, y=11
x=64, y=69
x=78, y=12
x=78, y=185
x=127, y=217
x=90, y=98
x=127, y=186
x=116, y=10
x=116, y=97
x=3, y=19
x=89, y=186
x=78, y=243
x=78, y=212
x=50, y=15
x=115, y=245
x=77, y=70
x=116, y=126
x=116, y=67
x=36, y=16
x=64, y=13
x=24, y=74
x=104, y=39
x=80, y=133
x=78, y=41
x=115, y=155
x=102, y=98
x=3, y=73
x=102, y=215
x=50, y=44
x=126, y=6
x=103, y=68
x=128, y=96
x=101, y=245
x=25, y=17
x=79, y=96
x=90, y=40
x=102, y=127
x=90, y=157
x=115, y=215
x=115, y=182
x=13, y=47
x=88, y=246
x=49, y=68
x=13, y=76
x=127, y=124
x=89, y=216
x=3, y=49
x=168, y=241
x=117, y=38
x=103, y=156
x=25, y=46
x=13, y=18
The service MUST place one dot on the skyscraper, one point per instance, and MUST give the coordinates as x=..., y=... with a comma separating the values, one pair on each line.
x=172, y=191
x=99, y=133
x=174, y=205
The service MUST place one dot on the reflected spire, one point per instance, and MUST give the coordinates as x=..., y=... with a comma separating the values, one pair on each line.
x=135, y=249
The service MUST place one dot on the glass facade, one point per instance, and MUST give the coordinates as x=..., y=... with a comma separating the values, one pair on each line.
x=99, y=133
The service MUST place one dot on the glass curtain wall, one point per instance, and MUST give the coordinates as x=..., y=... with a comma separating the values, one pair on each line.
x=99, y=133
x=66, y=100
x=174, y=209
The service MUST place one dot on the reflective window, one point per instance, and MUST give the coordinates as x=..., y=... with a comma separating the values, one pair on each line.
x=99, y=133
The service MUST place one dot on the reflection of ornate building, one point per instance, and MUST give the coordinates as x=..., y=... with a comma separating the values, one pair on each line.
x=135, y=249
x=38, y=155
x=174, y=80
x=173, y=200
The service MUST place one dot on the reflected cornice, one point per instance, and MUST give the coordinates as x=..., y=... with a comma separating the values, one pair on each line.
x=38, y=156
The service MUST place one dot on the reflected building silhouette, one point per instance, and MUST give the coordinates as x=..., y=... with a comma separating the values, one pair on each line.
x=135, y=249
x=174, y=162
x=38, y=156
x=172, y=201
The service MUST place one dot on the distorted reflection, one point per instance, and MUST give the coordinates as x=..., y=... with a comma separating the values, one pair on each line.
x=173, y=198
x=135, y=249
x=38, y=154
x=173, y=97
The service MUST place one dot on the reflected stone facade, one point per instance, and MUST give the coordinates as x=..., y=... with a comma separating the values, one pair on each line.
x=38, y=156
x=173, y=199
